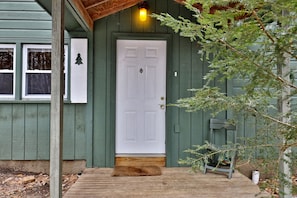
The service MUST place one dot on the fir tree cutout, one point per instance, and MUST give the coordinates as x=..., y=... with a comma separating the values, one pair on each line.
x=78, y=60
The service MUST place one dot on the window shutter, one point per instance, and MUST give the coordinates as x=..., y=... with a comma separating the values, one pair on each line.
x=78, y=70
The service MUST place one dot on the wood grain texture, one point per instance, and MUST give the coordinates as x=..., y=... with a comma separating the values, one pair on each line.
x=174, y=182
x=124, y=171
x=140, y=161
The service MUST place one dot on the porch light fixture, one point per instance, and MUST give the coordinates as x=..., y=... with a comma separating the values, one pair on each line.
x=143, y=7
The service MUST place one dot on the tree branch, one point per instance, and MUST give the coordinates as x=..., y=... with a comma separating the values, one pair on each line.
x=254, y=13
x=287, y=83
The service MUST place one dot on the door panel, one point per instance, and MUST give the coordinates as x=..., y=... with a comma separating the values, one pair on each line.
x=140, y=101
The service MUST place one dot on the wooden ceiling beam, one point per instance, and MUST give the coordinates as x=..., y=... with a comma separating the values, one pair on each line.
x=110, y=7
x=96, y=4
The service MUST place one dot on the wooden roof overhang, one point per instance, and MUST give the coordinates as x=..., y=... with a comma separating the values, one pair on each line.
x=92, y=10
x=85, y=12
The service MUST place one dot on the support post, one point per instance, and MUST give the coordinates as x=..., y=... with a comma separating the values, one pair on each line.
x=285, y=108
x=57, y=92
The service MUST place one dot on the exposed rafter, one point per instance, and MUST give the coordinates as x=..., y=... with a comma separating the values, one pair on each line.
x=96, y=4
x=110, y=7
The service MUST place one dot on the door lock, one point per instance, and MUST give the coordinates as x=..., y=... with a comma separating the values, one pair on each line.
x=162, y=106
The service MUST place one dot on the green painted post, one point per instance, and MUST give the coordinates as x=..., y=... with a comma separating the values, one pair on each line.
x=57, y=87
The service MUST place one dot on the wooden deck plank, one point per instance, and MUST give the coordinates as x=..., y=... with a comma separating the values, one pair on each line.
x=174, y=182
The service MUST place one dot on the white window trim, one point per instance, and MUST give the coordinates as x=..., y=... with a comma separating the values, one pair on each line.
x=25, y=71
x=10, y=96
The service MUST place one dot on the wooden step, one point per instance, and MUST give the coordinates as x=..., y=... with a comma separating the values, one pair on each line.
x=140, y=161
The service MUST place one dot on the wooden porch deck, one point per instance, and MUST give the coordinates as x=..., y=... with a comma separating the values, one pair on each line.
x=173, y=183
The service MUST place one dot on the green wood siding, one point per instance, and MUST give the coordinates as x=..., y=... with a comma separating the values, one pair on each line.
x=24, y=20
x=25, y=125
x=182, y=129
x=248, y=126
x=25, y=128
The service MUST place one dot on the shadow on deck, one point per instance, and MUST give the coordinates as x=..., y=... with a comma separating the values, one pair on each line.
x=173, y=183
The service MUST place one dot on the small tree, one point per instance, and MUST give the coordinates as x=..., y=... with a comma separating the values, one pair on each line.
x=251, y=40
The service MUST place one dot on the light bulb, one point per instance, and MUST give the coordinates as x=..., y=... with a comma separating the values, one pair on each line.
x=142, y=14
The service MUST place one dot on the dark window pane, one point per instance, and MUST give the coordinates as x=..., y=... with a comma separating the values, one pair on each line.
x=6, y=83
x=38, y=83
x=6, y=58
x=39, y=59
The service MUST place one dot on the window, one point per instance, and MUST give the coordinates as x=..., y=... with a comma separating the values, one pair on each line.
x=7, y=68
x=37, y=71
x=7, y=71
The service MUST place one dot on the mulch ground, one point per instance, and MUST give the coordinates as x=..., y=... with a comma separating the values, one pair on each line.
x=17, y=184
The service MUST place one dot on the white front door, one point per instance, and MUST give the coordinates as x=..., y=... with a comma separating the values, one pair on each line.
x=140, y=97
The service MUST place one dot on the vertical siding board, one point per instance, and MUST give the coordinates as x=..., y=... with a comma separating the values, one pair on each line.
x=149, y=24
x=89, y=120
x=43, y=151
x=250, y=126
x=161, y=7
x=230, y=115
x=100, y=45
x=206, y=115
x=5, y=131
x=197, y=82
x=31, y=134
x=125, y=20
x=173, y=134
x=110, y=95
x=18, y=132
x=68, y=134
x=185, y=84
x=80, y=127
x=236, y=89
x=221, y=138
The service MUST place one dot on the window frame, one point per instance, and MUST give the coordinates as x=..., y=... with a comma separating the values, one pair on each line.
x=13, y=71
x=26, y=71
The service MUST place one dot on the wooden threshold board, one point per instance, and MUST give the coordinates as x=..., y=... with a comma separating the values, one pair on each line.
x=140, y=161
